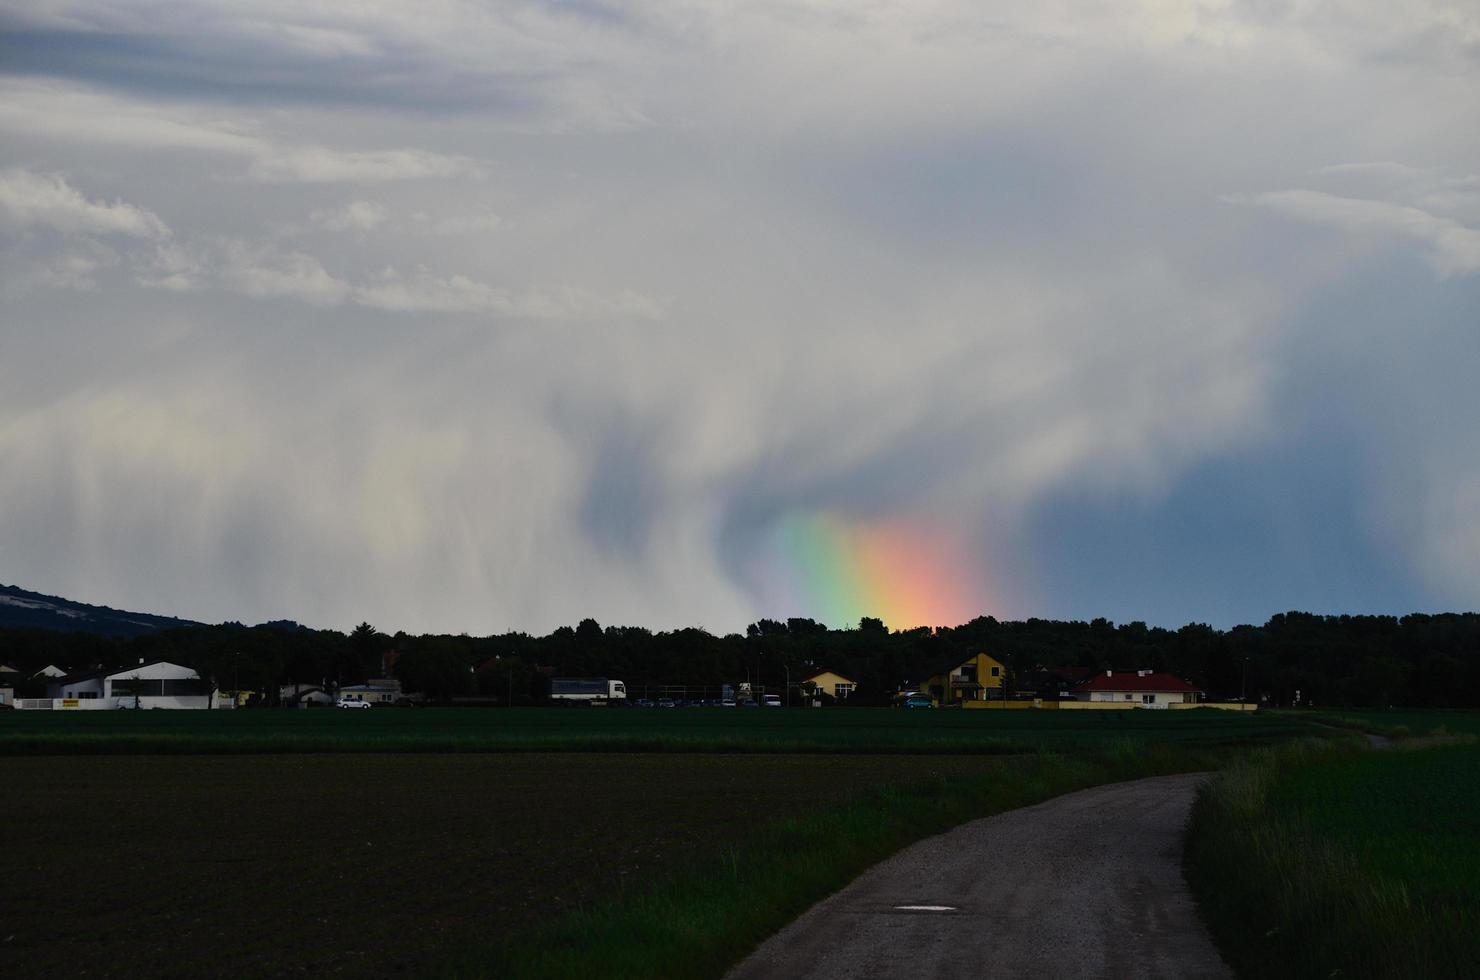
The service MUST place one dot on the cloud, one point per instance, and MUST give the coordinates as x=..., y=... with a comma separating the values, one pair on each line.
x=265, y=273
x=263, y=270
x=529, y=62
x=427, y=293
x=1453, y=248
x=77, y=115
x=354, y=216
x=484, y=317
x=35, y=200
x=317, y=165
x=472, y=222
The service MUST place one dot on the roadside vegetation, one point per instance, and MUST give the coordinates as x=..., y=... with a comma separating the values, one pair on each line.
x=1333, y=860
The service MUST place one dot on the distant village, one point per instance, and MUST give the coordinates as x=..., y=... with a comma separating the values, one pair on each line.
x=977, y=682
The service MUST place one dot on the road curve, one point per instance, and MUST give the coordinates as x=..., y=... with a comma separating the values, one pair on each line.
x=1084, y=885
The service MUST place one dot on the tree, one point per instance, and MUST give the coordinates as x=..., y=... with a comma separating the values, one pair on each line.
x=436, y=671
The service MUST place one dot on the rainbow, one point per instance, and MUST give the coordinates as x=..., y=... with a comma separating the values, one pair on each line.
x=905, y=572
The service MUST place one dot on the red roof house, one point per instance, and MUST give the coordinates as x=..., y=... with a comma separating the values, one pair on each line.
x=1146, y=688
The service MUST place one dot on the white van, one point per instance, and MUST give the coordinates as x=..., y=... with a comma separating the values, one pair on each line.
x=770, y=700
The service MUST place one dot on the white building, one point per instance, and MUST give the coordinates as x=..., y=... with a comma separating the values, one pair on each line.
x=377, y=690
x=153, y=685
x=1137, y=689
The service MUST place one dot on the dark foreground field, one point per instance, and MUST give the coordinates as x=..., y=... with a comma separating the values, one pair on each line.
x=375, y=865
x=395, y=842
x=852, y=731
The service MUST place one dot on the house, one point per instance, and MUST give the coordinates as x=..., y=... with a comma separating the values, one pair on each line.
x=976, y=678
x=377, y=690
x=8, y=678
x=159, y=684
x=828, y=682
x=1137, y=689
x=304, y=696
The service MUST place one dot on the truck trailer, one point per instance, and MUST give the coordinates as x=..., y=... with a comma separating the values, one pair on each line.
x=593, y=690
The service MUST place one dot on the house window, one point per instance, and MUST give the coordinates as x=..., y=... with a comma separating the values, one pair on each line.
x=1127, y=697
x=385, y=697
x=1148, y=699
x=841, y=691
x=996, y=671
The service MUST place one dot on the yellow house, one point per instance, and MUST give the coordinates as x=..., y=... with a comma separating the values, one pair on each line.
x=828, y=682
x=976, y=678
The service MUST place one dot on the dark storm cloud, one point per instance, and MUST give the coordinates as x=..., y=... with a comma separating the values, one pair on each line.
x=175, y=67
x=624, y=497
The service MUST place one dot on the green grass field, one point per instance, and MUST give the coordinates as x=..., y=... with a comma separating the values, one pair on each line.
x=1400, y=722
x=861, y=730
x=1329, y=862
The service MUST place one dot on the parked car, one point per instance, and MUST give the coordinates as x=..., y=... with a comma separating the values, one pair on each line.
x=919, y=701
x=346, y=703
x=726, y=702
x=667, y=703
x=770, y=700
x=644, y=702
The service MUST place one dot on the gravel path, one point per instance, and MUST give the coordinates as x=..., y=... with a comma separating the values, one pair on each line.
x=1085, y=885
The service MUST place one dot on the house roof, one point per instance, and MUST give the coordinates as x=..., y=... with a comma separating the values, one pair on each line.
x=374, y=684
x=92, y=675
x=945, y=667
x=817, y=674
x=1137, y=680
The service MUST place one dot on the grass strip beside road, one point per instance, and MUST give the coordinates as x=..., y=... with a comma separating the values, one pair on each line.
x=703, y=922
x=1330, y=860
x=1400, y=723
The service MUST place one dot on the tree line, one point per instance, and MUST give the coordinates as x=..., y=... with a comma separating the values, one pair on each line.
x=1325, y=661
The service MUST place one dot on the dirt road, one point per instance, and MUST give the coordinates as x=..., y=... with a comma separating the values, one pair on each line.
x=1085, y=885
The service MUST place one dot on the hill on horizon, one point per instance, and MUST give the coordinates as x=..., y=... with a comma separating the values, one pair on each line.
x=20, y=609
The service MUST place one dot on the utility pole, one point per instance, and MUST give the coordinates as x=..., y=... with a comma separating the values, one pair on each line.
x=1243, y=694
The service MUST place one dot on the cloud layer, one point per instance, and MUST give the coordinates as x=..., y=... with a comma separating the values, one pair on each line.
x=471, y=318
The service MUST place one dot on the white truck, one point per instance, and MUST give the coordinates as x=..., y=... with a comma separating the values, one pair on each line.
x=591, y=690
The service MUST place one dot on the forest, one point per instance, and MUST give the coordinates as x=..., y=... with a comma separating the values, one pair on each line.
x=1293, y=659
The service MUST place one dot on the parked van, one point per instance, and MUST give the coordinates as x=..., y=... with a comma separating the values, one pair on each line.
x=770, y=700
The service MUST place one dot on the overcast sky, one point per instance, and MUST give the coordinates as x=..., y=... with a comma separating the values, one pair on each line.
x=471, y=317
